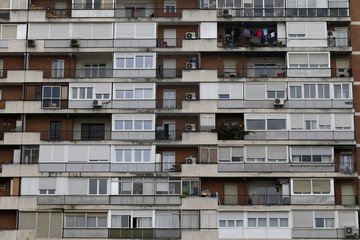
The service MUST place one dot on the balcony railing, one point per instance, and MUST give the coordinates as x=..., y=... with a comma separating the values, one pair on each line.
x=268, y=199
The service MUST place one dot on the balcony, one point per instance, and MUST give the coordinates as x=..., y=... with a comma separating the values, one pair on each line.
x=108, y=200
x=275, y=167
x=301, y=135
x=313, y=233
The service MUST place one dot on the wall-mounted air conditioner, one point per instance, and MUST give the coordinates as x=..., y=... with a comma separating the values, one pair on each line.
x=226, y=12
x=74, y=43
x=97, y=103
x=190, y=35
x=31, y=43
x=350, y=231
x=190, y=160
x=279, y=102
x=190, y=96
x=190, y=127
x=190, y=65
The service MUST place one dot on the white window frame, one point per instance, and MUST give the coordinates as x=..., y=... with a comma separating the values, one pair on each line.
x=231, y=155
x=58, y=70
x=91, y=67
x=132, y=154
x=342, y=90
x=47, y=191
x=1, y=68
x=98, y=186
x=308, y=65
x=78, y=89
x=266, y=118
x=171, y=4
x=85, y=215
x=324, y=220
x=132, y=58
x=238, y=223
x=331, y=181
x=51, y=98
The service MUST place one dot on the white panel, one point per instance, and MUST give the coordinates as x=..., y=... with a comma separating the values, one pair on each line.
x=102, y=30
x=39, y=31
x=343, y=120
x=236, y=91
x=324, y=119
x=223, y=88
x=281, y=29
x=77, y=186
x=278, y=214
x=254, y=91
x=61, y=186
x=303, y=219
x=59, y=31
x=322, y=150
x=103, y=88
x=296, y=27
x=21, y=31
x=29, y=186
x=81, y=30
x=297, y=121
x=231, y=215
x=324, y=214
x=58, y=154
x=143, y=116
x=125, y=30
x=276, y=152
x=316, y=30
x=275, y=86
x=77, y=154
x=310, y=117
x=145, y=30
x=142, y=213
x=47, y=183
x=124, y=86
x=208, y=90
x=256, y=214
x=208, y=30
x=99, y=152
x=45, y=154
x=255, y=151
x=347, y=218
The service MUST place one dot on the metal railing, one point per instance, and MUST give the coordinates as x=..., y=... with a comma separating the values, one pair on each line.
x=250, y=71
x=300, y=199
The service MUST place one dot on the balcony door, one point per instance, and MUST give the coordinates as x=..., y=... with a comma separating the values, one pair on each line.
x=231, y=194
x=169, y=68
x=229, y=68
x=168, y=161
x=55, y=130
x=92, y=131
x=170, y=37
x=169, y=99
x=169, y=127
x=347, y=194
x=341, y=37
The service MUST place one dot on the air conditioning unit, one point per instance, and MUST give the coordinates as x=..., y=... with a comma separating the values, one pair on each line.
x=190, y=127
x=190, y=96
x=190, y=160
x=74, y=43
x=350, y=232
x=278, y=102
x=226, y=12
x=229, y=75
x=97, y=103
x=190, y=35
x=18, y=127
x=190, y=65
x=31, y=43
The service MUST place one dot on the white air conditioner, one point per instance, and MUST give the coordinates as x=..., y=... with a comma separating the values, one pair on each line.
x=190, y=160
x=229, y=75
x=226, y=12
x=74, y=43
x=190, y=35
x=190, y=65
x=350, y=231
x=278, y=102
x=190, y=127
x=18, y=127
x=97, y=103
x=190, y=96
x=31, y=43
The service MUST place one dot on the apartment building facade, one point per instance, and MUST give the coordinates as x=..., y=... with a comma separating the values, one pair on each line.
x=179, y=119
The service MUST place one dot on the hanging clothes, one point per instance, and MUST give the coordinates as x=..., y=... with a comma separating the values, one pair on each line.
x=247, y=33
x=272, y=34
x=265, y=32
x=259, y=33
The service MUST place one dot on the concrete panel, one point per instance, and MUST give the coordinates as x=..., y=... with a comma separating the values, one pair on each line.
x=18, y=234
x=342, y=135
x=51, y=167
x=205, y=106
x=133, y=135
x=135, y=167
x=230, y=104
x=202, y=234
x=151, y=73
x=314, y=233
x=199, y=15
x=167, y=233
x=314, y=135
x=130, y=104
x=199, y=137
x=267, y=135
x=230, y=167
x=135, y=43
x=196, y=203
x=51, y=200
x=18, y=138
x=87, y=200
x=107, y=43
x=92, y=13
x=312, y=200
x=342, y=104
x=199, y=45
x=267, y=167
x=57, y=43
x=7, y=203
x=85, y=233
x=312, y=168
x=199, y=75
x=259, y=104
x=37, y=15
x=309, y=72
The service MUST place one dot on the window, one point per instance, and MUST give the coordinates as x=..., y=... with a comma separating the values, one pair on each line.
x=312, y=158
x=310, y=124
x=1, y=68
x=82, y=93
x=143, y=93
x=346, y=164
x=102, y=96
x=170, y=6
x=278, y=222
x=124, y=94
x=312, y=186
x=255, y=124
x=265, y=70
x=231, y=223
x=31, y=154
x=323, y=91
x=97, y=186
x=275, y=94
x=38, y=93
x=142, y=155
x=224, y=96
x=231, y=154
x=57, y=69
x=308, y=60
x=120, y=221
x=309, y=91
x=89, y=220
x=324, y=222
x=92, y=131
x=168, y=161
x=51, y=97
x=123, y=125
x=123, y=155
x=137, y=63
x=295, y=92
x=47, y=191
x=60, y=8
x=95, y=70
x=341, y=90
x=55, y=130
x=257, y=222
x=136, y=125
x=92, y=4
x=8, y=32
x=276, y=124
x=2, y=186
x=190, y=187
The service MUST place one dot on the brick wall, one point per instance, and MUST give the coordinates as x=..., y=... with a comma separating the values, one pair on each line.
x=12, y=63
x=45, y=63
x=180, y=5
x=7, y=220
x=6, y=153
x=180, y=93
x=11, y=93
x=180, y=154
x=180, y=122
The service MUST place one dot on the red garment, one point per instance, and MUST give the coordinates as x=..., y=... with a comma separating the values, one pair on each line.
x=259, y=33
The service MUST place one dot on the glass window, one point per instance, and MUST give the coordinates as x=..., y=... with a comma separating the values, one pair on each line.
x=284, y=222
x=128, y=125
x=129, y=63
x=309, y=91
x=276, y=124
x=251, y=222
x=148, y=61
x=295, y=92
x=147, y=125
x=255, y=124
x=346, y=91
x=231, y=223
x=323, y=91
x=91, y=222
x=224, y=96
x=310, y=124
x=273, y=222
x=222, y=223
x=138, y=155
x=262, y=222
x=139, y=61
x=139, y=93
x=138, y=124
x=80, y=221
x=337, y=91
x=127, y=155
x=239, y=223
x=146, y=155
x=270, y=94
x=319, y=222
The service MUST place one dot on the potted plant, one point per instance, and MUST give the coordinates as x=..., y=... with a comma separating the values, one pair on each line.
x=231, y=130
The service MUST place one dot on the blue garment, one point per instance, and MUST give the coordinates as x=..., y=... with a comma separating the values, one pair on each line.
x=265, y=33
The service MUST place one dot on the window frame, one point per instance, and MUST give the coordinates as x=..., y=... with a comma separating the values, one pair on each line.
x=78, y=93
x=90, y=67
x=172, y=6
x=57, y=71
x=97, y=186
x=331, y=183
x=51, y=99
